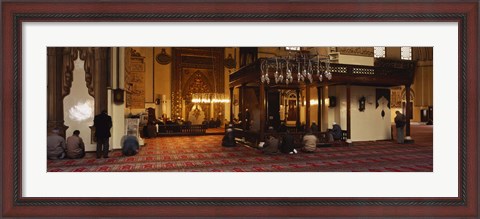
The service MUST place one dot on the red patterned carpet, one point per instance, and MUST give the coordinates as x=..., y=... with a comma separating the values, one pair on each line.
x=205, y=154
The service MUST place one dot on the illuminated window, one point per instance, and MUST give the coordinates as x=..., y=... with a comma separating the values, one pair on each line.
x=406, y=53
x=379, y=51
x=293, y=48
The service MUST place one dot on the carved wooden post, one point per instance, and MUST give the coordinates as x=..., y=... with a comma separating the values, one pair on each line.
x=266, y=105
x=298, y=107
x=242, y=106
x=231, y=104
x=320, y=107
x=100, y=79
x=262, y=110
x=307, y=106
x=407, y=109
x=349, y=131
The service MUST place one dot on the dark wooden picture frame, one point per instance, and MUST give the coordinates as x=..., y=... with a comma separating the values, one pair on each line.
x=465, y=13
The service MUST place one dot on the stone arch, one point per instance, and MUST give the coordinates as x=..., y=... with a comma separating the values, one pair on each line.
x=197, y=83
x=70, y=54
x=291, y=105
x=412, y=95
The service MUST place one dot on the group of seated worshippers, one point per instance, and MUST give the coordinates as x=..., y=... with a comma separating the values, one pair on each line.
x=212, y=123
x=273, y=145
x=74, y=147
x=58, y=148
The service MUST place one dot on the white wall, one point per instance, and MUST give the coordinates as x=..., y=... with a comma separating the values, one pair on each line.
x=338, y=113
x=365, y=126
x=369, y=124
x=117, y=111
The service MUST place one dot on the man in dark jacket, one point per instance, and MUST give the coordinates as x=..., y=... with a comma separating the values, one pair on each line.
x=314, y=127
x=336, y=131
x=229, y=138
x=102, y=123
x=287, y=146
x=400, y=121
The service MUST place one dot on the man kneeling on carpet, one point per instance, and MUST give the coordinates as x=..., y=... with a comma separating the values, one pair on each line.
x=309, y=142
x=271, y=143
x=336, y=133
x=229, y=139
x=130, y=145
x=55, y=145
x=75, y=146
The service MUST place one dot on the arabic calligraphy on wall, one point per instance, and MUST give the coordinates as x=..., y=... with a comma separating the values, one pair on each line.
x=135, y=78
x=357, y=51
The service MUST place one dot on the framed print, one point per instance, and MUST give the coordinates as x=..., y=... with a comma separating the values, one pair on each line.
x=31, y=32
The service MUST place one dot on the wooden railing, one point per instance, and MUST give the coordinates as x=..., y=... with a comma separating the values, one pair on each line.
x=174, y=129
x=384, y=73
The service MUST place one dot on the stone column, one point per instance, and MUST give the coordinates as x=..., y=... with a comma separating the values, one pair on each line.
x=55, y=89
x=231, y=104
x=100, y=79
x=298, y=107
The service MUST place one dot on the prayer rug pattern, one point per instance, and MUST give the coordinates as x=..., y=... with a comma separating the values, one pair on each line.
x=205, y=154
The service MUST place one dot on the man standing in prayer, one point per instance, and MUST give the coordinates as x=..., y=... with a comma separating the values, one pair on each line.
x=55, y=145
x=400, y=121
x=247, y=119
x=102, y=123
x=314, y=127
x=75, y=146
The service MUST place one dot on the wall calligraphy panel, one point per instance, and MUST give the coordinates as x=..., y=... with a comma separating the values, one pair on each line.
x=135, y=78
x=356, y=51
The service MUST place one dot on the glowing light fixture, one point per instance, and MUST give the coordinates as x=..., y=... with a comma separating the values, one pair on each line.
x=209, y=98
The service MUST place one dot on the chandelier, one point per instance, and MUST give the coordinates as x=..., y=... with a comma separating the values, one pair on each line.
x=209, y=98
x=301, y=63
